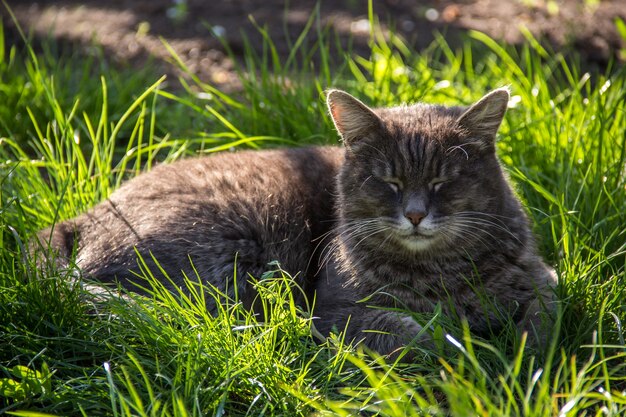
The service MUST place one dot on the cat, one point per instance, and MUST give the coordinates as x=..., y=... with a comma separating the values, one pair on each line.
x=426, y=216
x=415, y=206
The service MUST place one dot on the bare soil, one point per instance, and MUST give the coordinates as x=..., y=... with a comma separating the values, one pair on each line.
x=130, y=31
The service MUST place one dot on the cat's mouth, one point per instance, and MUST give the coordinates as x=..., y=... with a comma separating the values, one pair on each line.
x=416, y=239
x=417, y=242
x=417, y=233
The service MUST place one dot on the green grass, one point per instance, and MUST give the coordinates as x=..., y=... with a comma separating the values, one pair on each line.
x=72, y=130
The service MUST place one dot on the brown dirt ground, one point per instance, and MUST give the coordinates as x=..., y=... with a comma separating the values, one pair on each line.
x=129, y=31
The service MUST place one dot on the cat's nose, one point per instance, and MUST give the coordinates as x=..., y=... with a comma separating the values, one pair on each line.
x=415, y=217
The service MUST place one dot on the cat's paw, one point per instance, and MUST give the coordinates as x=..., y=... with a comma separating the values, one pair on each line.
x=407, y=334
x=413, y=332
x=538, y=325
x=410, y=326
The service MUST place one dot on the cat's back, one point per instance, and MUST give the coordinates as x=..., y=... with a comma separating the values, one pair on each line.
x=225, y=184
x=225, y=174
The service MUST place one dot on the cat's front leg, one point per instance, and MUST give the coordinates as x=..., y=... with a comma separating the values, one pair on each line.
x=343, y=308
x=383, y=331
x=538, y=322
x=388, y=332
x=539, y=314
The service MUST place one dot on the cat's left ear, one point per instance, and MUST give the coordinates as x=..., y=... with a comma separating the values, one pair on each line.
x=482, y=119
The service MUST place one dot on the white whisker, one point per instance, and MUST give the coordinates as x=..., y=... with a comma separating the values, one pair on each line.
x=471, y=218
x=350, y=232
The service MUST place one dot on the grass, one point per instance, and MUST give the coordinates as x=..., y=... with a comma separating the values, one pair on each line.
x=69, y=138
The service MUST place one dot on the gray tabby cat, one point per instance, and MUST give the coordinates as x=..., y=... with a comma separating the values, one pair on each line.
x=426, y=216
x=420, y=212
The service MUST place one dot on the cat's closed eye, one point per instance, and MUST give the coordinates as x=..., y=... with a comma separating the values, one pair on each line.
x=436, y=183
x=394, y=183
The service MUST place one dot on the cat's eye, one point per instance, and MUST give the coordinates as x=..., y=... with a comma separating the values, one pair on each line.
x=394, y=184
x=436, y=183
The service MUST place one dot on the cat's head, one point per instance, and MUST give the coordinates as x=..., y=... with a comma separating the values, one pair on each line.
x=421, y=178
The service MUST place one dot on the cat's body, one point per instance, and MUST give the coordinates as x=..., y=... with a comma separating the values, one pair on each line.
x=257, y=207
x=420, y=214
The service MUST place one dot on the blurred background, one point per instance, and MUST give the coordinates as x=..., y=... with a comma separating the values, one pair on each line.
x=130, y=31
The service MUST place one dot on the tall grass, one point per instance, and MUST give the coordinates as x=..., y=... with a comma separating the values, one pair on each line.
x=64, y=351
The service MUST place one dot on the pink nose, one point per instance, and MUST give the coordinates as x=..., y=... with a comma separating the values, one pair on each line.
x=415, y=217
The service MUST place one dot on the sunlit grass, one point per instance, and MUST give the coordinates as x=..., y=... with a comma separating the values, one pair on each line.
x=70, y=136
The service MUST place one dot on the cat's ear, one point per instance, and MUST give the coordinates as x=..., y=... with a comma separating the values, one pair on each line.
x=351, y=117
x=483, y=118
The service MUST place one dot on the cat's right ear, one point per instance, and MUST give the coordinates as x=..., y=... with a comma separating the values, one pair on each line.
x=351, y=117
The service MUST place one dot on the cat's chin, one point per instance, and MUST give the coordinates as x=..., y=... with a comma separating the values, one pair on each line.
x=418, y=242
